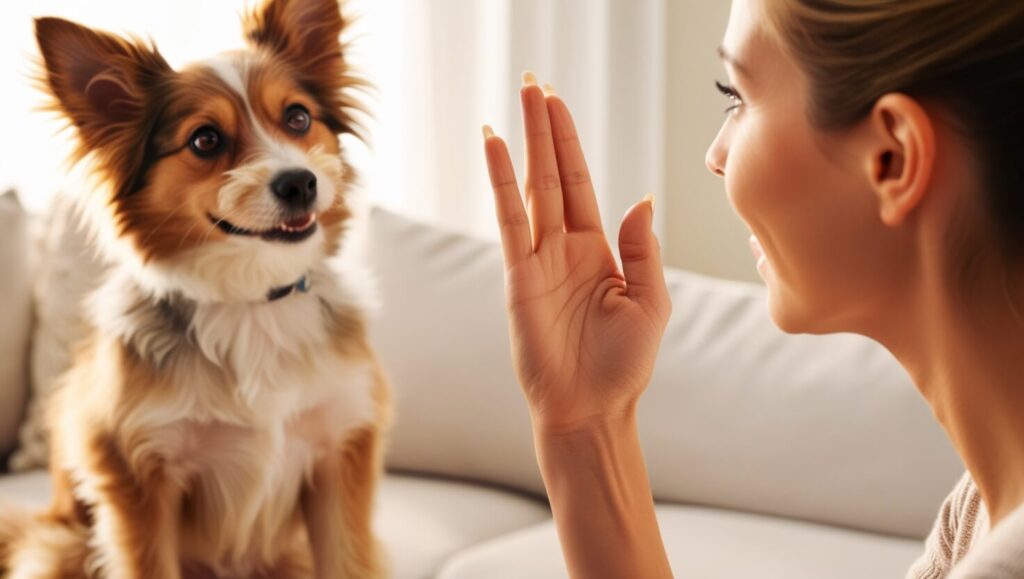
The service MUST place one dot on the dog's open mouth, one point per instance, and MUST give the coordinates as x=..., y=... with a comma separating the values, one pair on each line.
x=291, y=230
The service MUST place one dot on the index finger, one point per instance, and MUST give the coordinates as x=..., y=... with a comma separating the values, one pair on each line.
x=516, y=242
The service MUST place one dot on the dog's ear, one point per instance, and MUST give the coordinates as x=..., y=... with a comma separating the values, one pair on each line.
x=99, y=81
x=307, y=35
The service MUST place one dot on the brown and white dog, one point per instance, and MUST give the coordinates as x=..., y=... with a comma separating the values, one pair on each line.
x=225, y=418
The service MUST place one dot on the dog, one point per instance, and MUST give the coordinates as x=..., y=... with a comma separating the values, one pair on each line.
x=227, y=416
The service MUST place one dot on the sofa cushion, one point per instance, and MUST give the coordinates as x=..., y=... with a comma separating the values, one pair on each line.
x=709, y=543
x=27, y=489
x=422, y=521
x=738, y=414
x=15, y=317
x=442, y=337
x=822, y=428
x=425, y=521
x=67, y=270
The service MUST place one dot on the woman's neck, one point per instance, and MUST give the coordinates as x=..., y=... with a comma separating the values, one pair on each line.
x=968, y=363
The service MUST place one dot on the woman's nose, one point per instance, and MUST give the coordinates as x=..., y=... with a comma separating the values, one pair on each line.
x=715, y=159
x=716, y=155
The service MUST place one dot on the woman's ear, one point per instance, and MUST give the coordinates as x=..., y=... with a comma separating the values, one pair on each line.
x=901, y=155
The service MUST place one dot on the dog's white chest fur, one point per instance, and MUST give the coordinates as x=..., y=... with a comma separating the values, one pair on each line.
x=257, y=394
x=295, y=399
x=245, y=482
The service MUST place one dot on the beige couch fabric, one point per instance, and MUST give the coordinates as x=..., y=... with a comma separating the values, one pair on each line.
x=15, y=316
x=68, y=269
x=709, y=544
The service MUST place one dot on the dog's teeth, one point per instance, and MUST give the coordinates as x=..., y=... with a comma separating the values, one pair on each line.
x=306, y=224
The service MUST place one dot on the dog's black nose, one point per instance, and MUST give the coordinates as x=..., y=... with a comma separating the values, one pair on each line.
x=296, y=187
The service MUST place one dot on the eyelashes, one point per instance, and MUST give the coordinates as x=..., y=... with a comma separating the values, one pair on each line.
x=726, y=90
x=733, y=95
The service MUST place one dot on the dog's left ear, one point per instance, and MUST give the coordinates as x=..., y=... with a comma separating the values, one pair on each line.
x=306, y=34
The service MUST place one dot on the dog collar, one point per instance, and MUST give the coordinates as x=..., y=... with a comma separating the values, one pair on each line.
x=277, y=293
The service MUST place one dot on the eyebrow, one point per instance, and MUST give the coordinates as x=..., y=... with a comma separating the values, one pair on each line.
x=727, y=57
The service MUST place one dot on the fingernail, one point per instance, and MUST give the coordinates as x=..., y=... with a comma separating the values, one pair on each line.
x=529, y=78
x=548, y=89
x=488, y=132
x=650, y=199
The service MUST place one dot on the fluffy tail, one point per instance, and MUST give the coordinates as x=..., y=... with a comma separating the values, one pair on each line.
x=33, y=546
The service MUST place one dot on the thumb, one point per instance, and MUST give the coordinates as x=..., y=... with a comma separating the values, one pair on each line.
x=641, y=256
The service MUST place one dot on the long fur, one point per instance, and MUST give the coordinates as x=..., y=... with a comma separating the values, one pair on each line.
x=205, y=431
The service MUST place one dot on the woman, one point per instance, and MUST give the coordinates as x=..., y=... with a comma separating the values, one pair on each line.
x=876, y=151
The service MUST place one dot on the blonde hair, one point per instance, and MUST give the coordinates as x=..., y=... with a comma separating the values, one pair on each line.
x=965, y=55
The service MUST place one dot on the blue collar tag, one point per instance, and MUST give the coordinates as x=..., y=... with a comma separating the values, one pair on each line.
x=302, y=286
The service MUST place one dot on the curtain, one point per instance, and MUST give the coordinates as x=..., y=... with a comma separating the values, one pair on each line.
x=445, y=67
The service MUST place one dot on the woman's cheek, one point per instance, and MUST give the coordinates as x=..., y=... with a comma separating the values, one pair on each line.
x=748, y=181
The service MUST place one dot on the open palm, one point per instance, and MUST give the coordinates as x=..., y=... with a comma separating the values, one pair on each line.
x=584, y=332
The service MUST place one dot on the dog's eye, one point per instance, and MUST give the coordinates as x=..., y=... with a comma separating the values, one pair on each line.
x=206, y=141
x=297, y=119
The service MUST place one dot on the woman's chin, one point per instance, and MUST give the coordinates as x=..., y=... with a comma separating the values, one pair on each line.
x=783, y=307
x=796, y=316
x=782, y=316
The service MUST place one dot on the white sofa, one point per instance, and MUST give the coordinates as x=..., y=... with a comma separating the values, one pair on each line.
x=771, y=456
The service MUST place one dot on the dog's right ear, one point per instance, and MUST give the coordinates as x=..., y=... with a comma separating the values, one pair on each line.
x=306, y=34
x=99, y=80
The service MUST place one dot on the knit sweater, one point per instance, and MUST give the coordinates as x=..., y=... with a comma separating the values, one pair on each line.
x=962, y=546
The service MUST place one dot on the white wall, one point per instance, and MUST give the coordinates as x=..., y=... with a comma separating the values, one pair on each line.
x=701, y=232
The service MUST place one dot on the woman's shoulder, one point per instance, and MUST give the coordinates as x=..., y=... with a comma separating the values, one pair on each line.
x=1000, y=555
x=961, y=521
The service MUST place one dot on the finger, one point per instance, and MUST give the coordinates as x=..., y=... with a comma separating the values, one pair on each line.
x=580, y=203
x=543, y=186
x=641, y=257
x=515, y=227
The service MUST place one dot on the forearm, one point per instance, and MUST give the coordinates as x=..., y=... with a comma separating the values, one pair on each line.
x=601, y=500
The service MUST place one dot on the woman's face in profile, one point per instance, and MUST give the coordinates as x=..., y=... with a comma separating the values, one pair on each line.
x=803, y=193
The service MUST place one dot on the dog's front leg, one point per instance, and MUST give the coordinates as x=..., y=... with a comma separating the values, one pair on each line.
x=338, y=508
x=136, y=517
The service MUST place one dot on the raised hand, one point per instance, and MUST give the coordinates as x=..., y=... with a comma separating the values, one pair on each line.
x=584, y=331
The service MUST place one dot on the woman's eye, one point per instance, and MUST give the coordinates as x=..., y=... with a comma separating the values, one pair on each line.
x=733, y=95
x=297, y=119
x=206, y=141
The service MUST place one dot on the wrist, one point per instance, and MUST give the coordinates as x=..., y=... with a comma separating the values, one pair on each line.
x=598, y=426
x=619, y=421
x=600, y=444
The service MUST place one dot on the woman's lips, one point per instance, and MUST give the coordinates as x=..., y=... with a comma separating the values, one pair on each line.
x=759, y=255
